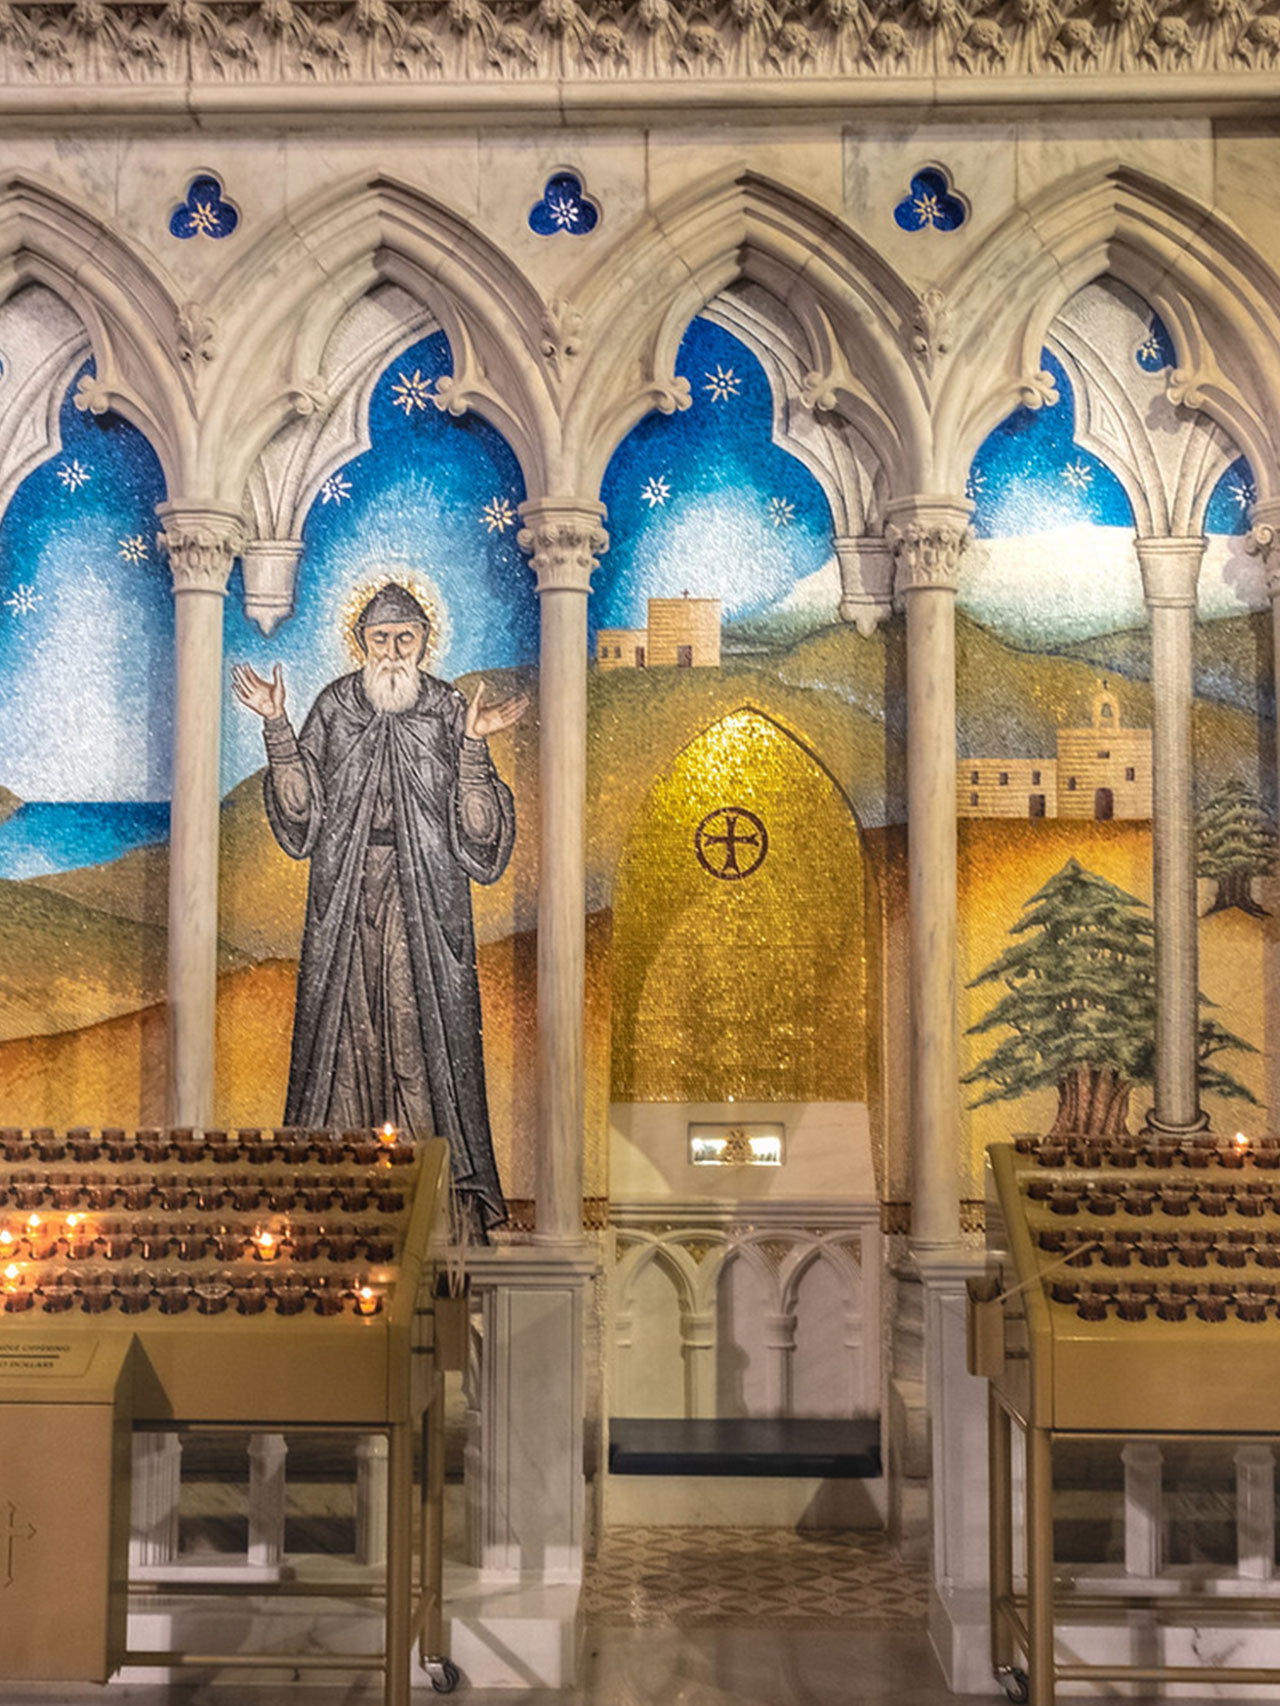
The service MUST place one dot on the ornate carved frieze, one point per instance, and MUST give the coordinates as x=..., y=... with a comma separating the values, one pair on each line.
x=201, y=544
x=272, y=42
x=563, y=540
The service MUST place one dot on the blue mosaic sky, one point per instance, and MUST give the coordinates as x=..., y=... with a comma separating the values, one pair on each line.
x=86, y=621
x=435, y=495
x=1056, y=562
x=1030, y=476
x=703, y=501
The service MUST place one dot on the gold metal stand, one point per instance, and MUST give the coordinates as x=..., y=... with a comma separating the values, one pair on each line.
x=72, y=1383
x=1025, y=1622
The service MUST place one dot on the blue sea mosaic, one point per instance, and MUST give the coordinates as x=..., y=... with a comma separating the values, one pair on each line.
x=703, y=501
x=86, y=621
x=436, y=496
x=205, y=212
x=565, y=209
x=930, y=203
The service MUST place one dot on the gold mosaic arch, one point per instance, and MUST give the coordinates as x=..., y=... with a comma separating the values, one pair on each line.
x=747, y=983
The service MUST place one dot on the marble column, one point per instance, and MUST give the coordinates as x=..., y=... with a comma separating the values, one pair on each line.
x=928, y=536
x=866, y=580
x=1263, y=542
x=698, y=1348
x=563, y=537
x=1170, y=569
x=201, y=542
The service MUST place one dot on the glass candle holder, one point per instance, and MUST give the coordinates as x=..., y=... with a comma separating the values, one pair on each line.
x=134, y=1292
x=212, y=1296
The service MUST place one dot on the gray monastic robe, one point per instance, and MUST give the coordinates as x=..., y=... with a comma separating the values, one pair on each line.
x=398, y=812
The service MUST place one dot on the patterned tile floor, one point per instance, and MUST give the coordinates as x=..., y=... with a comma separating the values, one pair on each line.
x=759, y=1577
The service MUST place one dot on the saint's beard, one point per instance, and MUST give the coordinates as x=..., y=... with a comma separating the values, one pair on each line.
x=391, y=684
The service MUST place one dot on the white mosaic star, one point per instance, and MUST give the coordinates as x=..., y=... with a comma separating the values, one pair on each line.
x=926, y=209
x=23, y=599
x=133, y=548
x=655, y=491
x=335, y=489
x=1243, y=493
x=722, y=384
x=204, y=219
x=975, y=485
x=1078, y=475
x=782, y=512
x=410, y=392
x=74, y=474
x=1149, y=348
x=564, y=211
x=498, y=515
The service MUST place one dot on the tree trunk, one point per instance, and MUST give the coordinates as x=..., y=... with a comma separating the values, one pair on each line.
x=1073, y=1094
x=1235, y=888
x=1092, y=1102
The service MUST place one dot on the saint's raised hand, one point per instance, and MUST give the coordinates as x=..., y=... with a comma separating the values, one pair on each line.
x=264, y=697
x=486, y=718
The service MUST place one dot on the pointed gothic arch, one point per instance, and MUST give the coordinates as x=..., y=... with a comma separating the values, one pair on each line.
x=294, y=286
x=704, y=966
x=136, y=328
x=1218, y=298
x=850, y=306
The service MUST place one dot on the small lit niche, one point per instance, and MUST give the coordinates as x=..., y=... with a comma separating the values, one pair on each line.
x=736, y=1144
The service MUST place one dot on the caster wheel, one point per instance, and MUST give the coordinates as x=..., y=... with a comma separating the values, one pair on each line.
x=1014, y=1683
x=445, y=1675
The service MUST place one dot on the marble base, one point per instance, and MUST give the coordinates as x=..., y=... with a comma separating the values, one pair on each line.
x=741, y=1501
x=507, y=1634
x=522, y=1634
x=960, y=1634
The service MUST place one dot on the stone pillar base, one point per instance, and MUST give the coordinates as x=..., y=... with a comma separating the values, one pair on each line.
x=959, y=1617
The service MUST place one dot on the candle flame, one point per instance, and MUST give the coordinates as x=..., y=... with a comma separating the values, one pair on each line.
x=387, y=1134
x=33, y=1221
x=13, y=1271
x=73, y=1220
x=1241, y=1141
x=366, y=1291
x=6, y=1237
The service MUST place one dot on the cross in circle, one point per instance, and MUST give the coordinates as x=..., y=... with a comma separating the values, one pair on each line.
x=742, y=830
x=17, y=1530
x=731, y=841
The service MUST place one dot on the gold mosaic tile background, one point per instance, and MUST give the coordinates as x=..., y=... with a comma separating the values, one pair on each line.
x=740, y=975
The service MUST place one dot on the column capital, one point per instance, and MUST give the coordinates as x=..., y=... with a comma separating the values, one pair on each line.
x=1170, y=569
x=269, y=568
x=563, y=538
x=202, y=542
x=1263, y=541
x=928, y=536
x=866, y=580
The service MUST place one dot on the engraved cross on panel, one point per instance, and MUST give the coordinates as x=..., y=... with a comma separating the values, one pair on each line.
x=17, y=1530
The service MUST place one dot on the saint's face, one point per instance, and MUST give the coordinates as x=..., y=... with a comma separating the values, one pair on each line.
x=402, y=642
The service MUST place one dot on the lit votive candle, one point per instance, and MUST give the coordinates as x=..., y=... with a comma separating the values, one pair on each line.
x=79, y=1238
x=266, y=1246
x=17, y=1293
x=367, y=1301
x=40, y=1238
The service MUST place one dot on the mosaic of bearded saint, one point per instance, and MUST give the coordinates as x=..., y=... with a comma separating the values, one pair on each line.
x=390, y=791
